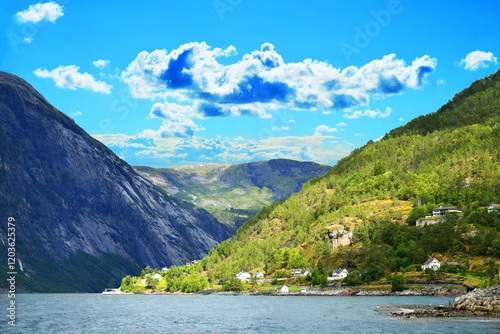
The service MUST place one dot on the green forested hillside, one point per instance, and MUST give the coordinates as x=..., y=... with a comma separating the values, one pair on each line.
x=362, y=214
x=476, y=104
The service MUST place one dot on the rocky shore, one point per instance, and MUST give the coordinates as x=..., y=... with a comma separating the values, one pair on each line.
x=441, y=311
x=315, y=291
x=482, y=303
x=485, y=300
x=427, y=291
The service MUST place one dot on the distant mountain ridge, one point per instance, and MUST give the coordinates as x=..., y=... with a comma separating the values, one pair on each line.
x=83, y=216
x=234, y=193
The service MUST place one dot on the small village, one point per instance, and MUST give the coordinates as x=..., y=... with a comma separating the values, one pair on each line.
x=436, y=276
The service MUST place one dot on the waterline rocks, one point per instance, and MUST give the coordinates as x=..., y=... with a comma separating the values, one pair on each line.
x=487, y=300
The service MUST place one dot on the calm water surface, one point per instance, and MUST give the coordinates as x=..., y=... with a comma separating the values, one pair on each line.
x=95, y=313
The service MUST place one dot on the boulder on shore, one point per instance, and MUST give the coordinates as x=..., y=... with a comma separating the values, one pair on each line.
x=487, y=300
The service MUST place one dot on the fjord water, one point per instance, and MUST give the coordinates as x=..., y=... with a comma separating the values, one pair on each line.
x=95, y=313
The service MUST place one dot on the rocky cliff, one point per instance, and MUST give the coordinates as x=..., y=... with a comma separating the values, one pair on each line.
x=83, y=216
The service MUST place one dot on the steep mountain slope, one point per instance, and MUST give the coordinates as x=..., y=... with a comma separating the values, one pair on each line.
x=234, y=193
x=370, y=200
x=83, y=216
x=474, y=105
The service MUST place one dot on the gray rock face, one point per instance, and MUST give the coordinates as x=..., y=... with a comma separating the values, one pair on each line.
x=70, y=194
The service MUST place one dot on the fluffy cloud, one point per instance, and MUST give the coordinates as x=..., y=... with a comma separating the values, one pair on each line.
x=323, y=149
x=177, y=119
x=101, y=63
x=323, y=128
x=341, y=124
x=69, y=77
x=478, y=59
x=49, y=11
x=369, y=113
x=261, y=81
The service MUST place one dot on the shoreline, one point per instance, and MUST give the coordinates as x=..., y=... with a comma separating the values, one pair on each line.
x=425, y=311
x=427, y=291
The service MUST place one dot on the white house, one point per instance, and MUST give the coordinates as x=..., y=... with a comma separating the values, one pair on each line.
x=243, y=275
x=432, y=263
x=258, y=275
x=338, y=274
x=443, y=210
x=299, y=272
x=282, y=289
x=494, y=208
x=156, y=276
x=164, y=269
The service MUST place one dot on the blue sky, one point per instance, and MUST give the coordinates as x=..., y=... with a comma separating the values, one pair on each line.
x=168, y=83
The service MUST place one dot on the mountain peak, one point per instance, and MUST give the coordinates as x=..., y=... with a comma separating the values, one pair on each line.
x=78, y=205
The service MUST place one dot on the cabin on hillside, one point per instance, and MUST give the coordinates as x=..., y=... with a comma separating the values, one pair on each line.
x=494, y=208
x=282, y=289
x=338, y=274
x=300, y=272
x=243, y=276
x=164, y=269
x=443, y=210
x=258, y=275
x=432, y=264
x=156, y=276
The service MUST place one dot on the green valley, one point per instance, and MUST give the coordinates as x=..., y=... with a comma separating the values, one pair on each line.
x=234, y=193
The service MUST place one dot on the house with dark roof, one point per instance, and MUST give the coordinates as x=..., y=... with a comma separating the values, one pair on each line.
x=443, y=210
x=300, y=272
x=494, y=208
x=338, y=274
x=432, y=264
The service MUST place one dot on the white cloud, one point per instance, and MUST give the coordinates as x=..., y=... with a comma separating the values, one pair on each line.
x=279, y=129
x=75, y=114
x=358, y=134
x=28, y=40
x=478, y=59
x=400, y=119
x=49, y=11
x=327, y=112
x=261, y=80
x=177, y=120
x=322, y=149
x=292, y=121
x=369, y=113
x=341, y=124
x=69, y=77
x=323, y=128
x=101, y=63
x=440, y=82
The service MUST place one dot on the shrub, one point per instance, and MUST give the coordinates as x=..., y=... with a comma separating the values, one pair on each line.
x=398, y=283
